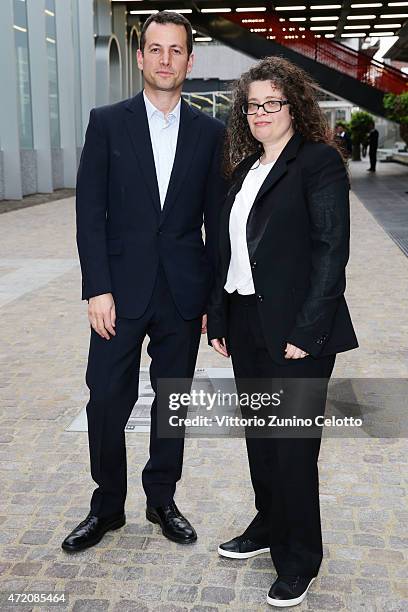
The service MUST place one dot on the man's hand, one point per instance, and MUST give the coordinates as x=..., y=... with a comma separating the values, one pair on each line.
x=220, y=346
x=293, y=352
x=204, y=324
x=102, y=315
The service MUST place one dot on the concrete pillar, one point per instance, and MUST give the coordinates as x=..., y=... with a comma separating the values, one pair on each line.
x=9, y=118
x=39, y=93
x=108, y=56
x=84, y=64
x=120, y=31
x=103, y=17
x=66, y=86
x=135, y=75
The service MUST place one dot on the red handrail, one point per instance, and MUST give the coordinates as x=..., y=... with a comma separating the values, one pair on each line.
x=323, y=50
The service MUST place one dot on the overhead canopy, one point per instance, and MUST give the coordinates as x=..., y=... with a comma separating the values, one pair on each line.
x=311, y=35
x=399, y=50
x=338, y=20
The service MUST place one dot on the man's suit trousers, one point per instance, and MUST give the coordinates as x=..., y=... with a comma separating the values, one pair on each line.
x=113, y=378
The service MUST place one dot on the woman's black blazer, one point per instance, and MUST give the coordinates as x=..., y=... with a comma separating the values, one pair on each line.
x=298, y=243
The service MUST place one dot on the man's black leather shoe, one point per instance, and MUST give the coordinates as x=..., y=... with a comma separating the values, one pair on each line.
x=173, y=524
x=289, y=591
x=241, y=548
x=91, y=531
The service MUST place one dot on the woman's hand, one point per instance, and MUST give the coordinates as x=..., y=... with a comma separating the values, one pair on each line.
x=293, y=352
x=220, y=346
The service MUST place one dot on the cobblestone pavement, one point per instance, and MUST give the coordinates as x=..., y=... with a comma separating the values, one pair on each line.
x=384, y=194
x=44, y=475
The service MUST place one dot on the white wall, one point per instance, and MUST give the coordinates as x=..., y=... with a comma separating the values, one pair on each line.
x=219, y=62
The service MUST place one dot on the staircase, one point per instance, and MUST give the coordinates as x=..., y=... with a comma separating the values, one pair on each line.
x=338, y=69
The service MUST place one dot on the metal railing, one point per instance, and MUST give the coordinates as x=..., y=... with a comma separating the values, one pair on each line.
x=323, y=50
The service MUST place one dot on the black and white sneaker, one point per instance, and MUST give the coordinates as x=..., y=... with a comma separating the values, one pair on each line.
x=241, y=548
x=289, y=591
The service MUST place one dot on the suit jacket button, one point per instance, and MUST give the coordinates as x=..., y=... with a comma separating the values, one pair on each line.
x=260, y=297
x=253, y=265
x=159, y=232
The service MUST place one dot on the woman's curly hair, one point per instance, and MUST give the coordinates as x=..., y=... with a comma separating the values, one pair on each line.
x=297, y=87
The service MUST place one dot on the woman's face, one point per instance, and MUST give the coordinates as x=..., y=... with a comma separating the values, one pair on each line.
x=268, y=127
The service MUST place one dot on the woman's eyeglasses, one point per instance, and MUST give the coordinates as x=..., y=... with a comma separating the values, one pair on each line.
x=270, y=106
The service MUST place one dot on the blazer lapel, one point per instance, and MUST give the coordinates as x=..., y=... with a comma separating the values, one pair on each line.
x=261, y=210
x=138, y=130
x=243, y=171
x=280, y=166
x=226, y=210
x=187, y=142
x=238, y=181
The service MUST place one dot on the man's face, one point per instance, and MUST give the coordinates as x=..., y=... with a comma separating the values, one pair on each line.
x=165, y=61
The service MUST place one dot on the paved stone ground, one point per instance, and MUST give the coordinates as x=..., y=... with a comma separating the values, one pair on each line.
x=44, y=476
x=34, y=199
x=385, y=194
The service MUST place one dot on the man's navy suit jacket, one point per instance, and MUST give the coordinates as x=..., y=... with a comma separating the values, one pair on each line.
x=122, y=231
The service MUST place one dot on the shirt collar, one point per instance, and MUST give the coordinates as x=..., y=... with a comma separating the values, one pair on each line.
x=151, y=110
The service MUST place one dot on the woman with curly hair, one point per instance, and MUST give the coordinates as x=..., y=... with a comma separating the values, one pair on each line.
x=278, y=305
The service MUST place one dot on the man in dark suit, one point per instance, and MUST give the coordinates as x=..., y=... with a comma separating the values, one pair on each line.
x=343, y=140
x=372, y=147
x=149, y=174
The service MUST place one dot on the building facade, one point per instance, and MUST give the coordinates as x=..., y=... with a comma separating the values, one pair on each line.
x=58, y=59
x=61, y=58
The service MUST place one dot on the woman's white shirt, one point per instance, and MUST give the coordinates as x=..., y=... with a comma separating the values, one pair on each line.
x=239, y=276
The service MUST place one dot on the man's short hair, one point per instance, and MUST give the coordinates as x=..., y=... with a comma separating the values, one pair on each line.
x=164, y=17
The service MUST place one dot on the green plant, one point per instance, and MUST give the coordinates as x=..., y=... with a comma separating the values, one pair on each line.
x=344, y=124
x=396, y=109
x=360, y=125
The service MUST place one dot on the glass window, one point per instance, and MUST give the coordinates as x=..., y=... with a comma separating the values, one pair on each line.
x=51, y=41
x=23, y=73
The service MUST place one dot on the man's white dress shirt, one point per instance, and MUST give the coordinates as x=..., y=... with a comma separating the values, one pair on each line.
x=239, y=273
x=163, y=135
